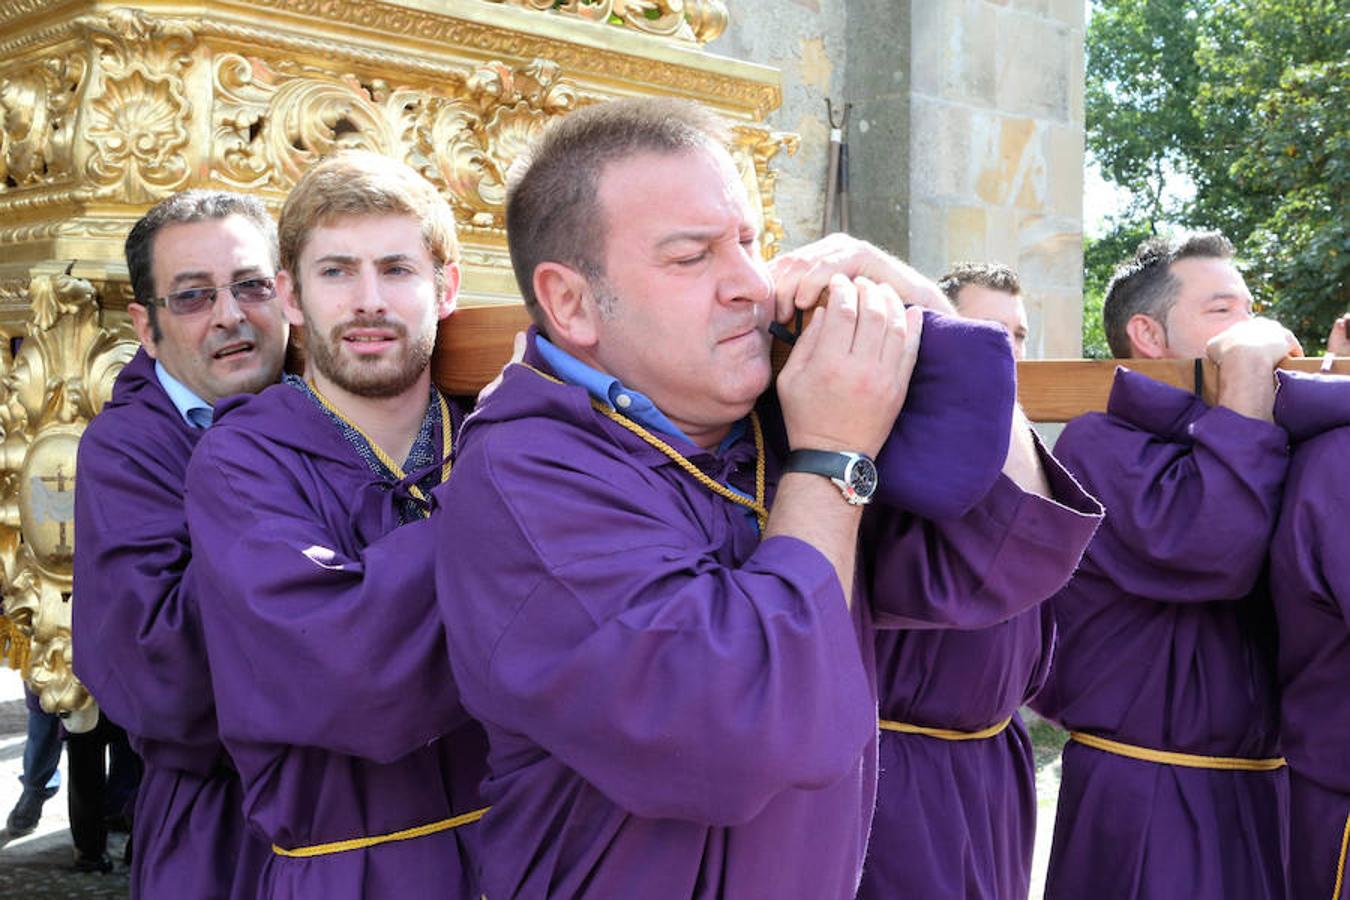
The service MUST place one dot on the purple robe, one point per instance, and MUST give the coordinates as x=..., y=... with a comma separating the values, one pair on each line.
x=332, y=685
x=675, y=707
x=1166, y=641
x=1310, y=583
x=139, y=647
x=957, y=819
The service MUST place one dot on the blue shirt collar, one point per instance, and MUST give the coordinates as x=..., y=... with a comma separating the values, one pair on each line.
x=181, y=395
x=636, y=406
x=606, y=388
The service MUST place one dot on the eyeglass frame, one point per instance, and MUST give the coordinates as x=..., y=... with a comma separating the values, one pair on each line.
x=215, y=289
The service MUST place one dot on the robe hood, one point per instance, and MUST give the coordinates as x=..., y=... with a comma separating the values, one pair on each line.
x=956, y=420
x=307, y=430
x=291, y=420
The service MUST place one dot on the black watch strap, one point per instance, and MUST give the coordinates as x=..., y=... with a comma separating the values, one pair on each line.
x=853, y=473
x=818, y=462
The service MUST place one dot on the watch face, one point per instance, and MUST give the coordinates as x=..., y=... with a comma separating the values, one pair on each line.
x=862, y=477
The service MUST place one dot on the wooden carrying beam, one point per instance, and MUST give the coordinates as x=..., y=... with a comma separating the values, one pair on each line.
x=475, y=342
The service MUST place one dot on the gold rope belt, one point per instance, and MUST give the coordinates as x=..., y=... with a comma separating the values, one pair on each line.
x=1340, y=864
x=1169, y=758
x=944, y=734
x=364, y=842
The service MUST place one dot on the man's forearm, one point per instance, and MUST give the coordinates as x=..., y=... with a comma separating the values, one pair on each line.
x=810, y=508
x=1023, y=464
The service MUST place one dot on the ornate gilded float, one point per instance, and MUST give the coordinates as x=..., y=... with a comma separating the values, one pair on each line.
x=106, y=108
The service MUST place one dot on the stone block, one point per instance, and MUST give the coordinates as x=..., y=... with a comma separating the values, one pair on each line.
x=970, y=40
x=1063, y=151
x=1002, y=243
x=1051, y=251
x=1070, y=12
x=964, y=230
x=880, y=168
x=1057, y=326
x=1033, y=66
x=927, y=248
x=1077, y=77
x=1006, y=166
x=941, y=144
x=816, y=67
x=927, y=51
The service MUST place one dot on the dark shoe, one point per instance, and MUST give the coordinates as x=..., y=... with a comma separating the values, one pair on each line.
x=101, y=863
x=119, y=823
x=23, y=819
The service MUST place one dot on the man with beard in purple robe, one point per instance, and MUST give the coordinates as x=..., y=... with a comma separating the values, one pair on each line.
x=1173, y=784
x=307, y=506
x=660, y=614
x=201, y=265
x=1310, y=584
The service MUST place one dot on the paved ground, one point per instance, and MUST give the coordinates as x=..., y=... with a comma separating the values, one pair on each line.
x=38, y=866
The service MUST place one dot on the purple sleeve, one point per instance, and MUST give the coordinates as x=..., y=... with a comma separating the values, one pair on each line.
x=312, y=645
x=1187, y=520
x=1308, y=555
x=680, y=683
x=1010, y=552
x=949, y=442
x=137, y=638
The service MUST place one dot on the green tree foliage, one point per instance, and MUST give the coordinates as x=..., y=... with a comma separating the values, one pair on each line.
x=1244, y=101
x=1100, y=256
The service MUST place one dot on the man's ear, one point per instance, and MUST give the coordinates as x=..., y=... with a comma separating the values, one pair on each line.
x=1148, y=337
x=288, y=291
x=145, y=332
x=445, y=303
x=565, y=298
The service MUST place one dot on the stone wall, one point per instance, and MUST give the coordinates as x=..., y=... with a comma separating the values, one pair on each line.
x=967, y=135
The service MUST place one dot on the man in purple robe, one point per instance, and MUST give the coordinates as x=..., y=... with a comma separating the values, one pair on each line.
x=1164, y=672
x=1310, y=584
x=201, y=265
x=956, y=795
x=658, y=612
x=992, y=292
x=306, y=506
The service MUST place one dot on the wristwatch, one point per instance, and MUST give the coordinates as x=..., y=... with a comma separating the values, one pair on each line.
x=854, y=473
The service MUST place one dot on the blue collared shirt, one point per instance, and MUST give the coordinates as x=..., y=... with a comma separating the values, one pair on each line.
x=606, y=388
x=194, y=410
x=633, y=404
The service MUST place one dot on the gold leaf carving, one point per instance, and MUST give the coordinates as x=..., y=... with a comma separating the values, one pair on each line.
x=752, y=148
x=273, y=119
x=60, y=378
x=467, y=144
x=687, y=20
x=138, y=118
x=37, y=116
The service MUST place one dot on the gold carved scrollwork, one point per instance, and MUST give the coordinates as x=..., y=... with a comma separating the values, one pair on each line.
x=59, y=379
x=467, y=144
x=753, y=147
x=688, y=20
x=274, y=120
x=37, y=115
x=139, y=112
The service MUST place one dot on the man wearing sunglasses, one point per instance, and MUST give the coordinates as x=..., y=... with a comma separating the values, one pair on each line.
x=201, y=265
